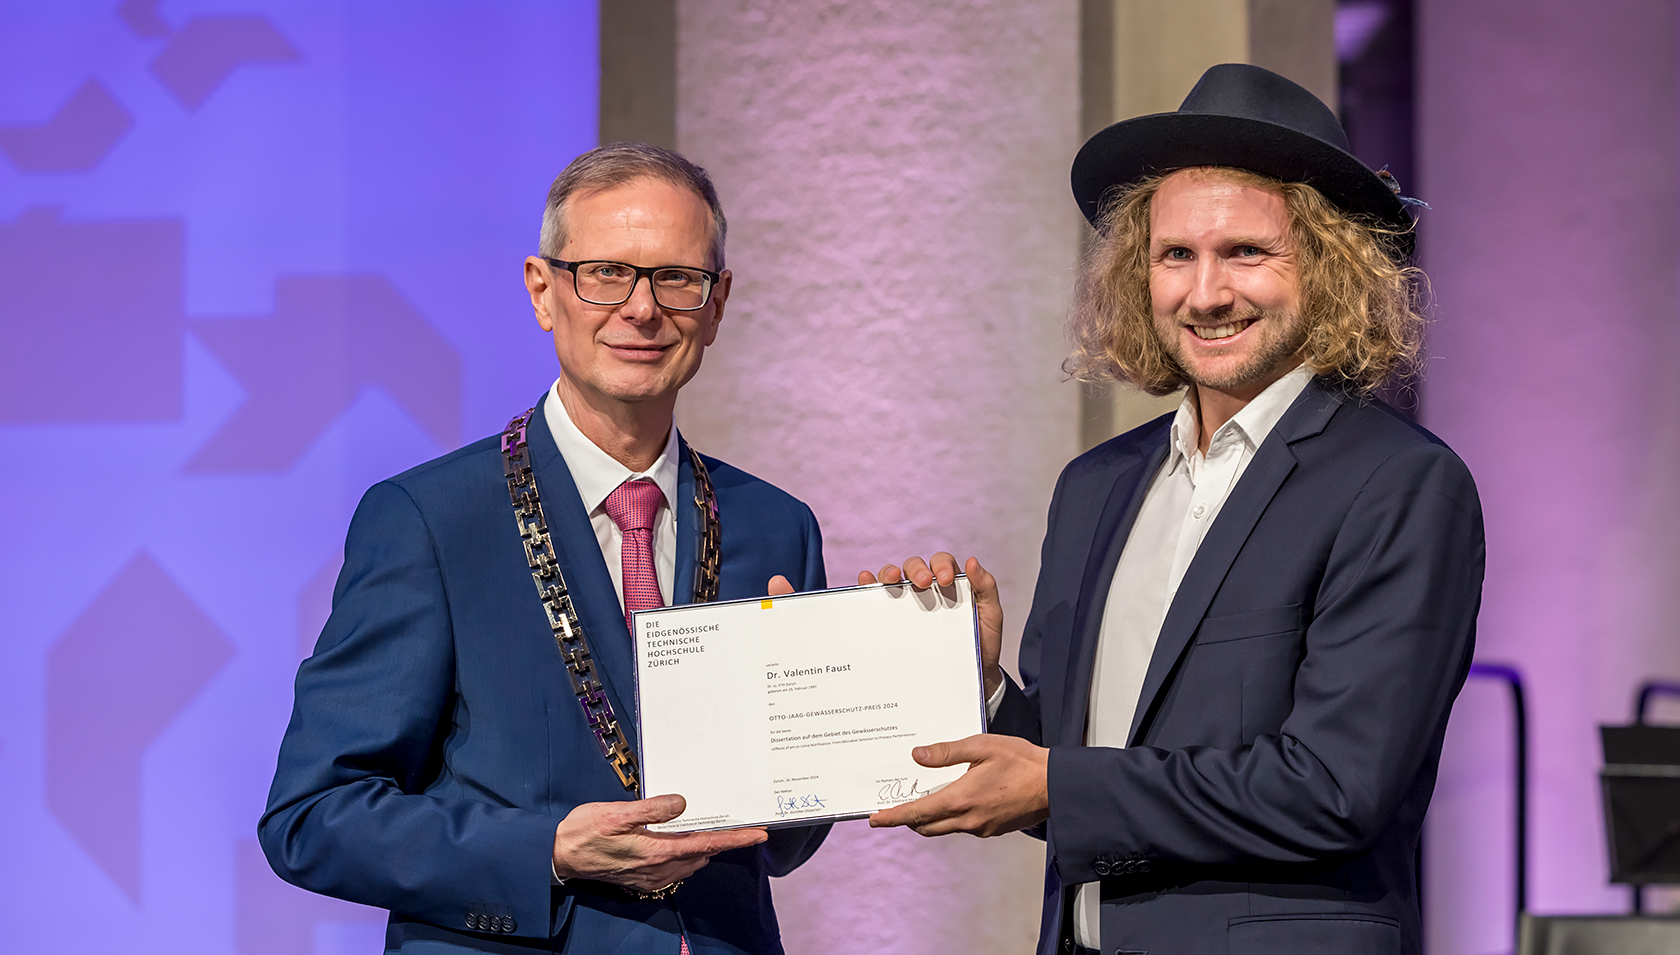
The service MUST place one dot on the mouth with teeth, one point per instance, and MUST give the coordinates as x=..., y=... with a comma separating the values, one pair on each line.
x=1209, y=333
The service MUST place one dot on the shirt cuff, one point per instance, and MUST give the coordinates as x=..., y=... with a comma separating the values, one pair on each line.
x=555, y=872
x=995, y=701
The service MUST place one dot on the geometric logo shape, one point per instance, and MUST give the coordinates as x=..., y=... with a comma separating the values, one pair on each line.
x=208, y=49
x=329, y=337
x=117, y=677
x=91, y=319
x=274, y=917
x=141, y=17
x=75, y=139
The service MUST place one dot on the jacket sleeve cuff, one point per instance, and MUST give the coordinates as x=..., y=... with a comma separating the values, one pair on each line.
x=1086, y=845
x=1014, y=714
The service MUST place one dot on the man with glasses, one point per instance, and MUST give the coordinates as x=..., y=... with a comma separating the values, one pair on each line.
x=462, y=747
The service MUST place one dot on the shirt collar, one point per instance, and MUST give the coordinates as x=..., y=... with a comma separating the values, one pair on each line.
x=1252, y=423
x=597, y=473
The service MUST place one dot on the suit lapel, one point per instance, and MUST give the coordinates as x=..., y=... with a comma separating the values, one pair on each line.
x=586, y=573
x=1130, y=483
x=688, y=529
x=1272, y=464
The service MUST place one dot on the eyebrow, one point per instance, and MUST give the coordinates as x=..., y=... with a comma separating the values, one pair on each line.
x=1172, y=240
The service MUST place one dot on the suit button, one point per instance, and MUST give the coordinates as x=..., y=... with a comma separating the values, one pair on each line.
x=508, y=924
x=1103, y=868
x=472, y=920
x=1143, y=865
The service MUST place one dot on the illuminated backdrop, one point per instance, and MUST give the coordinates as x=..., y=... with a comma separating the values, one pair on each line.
x=254, y=256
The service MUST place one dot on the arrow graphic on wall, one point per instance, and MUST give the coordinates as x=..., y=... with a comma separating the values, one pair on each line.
x=330, y=337
x=74, y=139
x=208, y=49
x=142, y=649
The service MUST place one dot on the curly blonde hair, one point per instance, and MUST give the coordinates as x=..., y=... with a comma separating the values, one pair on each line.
x=1359, y=300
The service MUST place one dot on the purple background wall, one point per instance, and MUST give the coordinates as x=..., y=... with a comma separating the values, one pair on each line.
x=254, y=256
x=1547, y=142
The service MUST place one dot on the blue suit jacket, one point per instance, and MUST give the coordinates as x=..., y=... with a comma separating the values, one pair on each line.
x=1287, y=734
x=435, y=742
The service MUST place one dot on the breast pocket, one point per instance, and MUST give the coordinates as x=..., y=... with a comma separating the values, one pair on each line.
x=1258, y=652
x=1249, y=624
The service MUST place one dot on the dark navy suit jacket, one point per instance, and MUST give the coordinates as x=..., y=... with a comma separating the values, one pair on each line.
x=435, y=742
x=1290, y=723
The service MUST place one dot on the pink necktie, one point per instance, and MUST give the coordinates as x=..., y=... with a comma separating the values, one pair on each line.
x=632, y=506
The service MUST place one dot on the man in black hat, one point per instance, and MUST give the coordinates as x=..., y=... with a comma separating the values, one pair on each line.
x=1252, y=616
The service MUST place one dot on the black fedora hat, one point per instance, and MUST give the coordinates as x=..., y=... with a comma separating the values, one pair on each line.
x=1247, y=118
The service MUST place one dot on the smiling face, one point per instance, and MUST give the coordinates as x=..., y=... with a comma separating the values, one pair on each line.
x=635, y=356
x=1222, y=281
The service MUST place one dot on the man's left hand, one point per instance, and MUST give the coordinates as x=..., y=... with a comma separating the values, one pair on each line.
x=1005, y=789
x=943, y=571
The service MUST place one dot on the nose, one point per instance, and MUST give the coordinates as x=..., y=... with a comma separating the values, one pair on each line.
x=1211, y=291
x=640, y=306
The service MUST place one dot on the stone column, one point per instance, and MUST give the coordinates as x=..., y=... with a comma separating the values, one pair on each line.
x=639, y=72
x=1547, y=146
x=903, y=238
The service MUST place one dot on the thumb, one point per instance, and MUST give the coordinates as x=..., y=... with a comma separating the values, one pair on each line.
x=985, y=591
x=779, y=585
x=987, y=608
x=641, y=812
x=935, y=755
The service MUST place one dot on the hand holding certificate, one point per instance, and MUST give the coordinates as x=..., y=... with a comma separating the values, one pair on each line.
x=1006, y=787
x=805, y=708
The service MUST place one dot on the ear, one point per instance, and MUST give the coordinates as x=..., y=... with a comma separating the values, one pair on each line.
x=539, y=280
x=720, y=296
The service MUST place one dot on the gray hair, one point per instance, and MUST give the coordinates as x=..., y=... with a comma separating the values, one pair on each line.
x=618, y=164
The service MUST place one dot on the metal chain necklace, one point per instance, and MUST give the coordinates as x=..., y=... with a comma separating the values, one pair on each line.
x=557, y=600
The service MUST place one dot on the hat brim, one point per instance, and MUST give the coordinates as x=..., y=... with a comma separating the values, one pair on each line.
x=1150, y=145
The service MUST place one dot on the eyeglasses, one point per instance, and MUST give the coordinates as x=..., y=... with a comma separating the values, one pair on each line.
x=612, y=283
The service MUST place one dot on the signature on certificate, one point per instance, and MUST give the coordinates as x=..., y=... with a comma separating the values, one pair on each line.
x=805, y=803
x=901, y=790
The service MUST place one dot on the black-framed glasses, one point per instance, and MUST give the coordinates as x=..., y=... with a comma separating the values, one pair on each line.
x=678, y=288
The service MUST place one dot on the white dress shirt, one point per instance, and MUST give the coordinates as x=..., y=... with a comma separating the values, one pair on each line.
x=596, y=474
x=1179, y=507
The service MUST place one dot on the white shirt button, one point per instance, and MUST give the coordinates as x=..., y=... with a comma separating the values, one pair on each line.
x=1199, y=510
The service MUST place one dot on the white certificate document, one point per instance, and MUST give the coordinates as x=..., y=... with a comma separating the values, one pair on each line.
x=804, y=708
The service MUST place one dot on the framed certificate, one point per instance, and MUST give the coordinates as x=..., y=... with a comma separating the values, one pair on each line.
x=799, y=709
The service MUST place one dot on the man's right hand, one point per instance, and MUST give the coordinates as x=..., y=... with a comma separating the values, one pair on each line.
x=610, y=842
x=943, y=569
